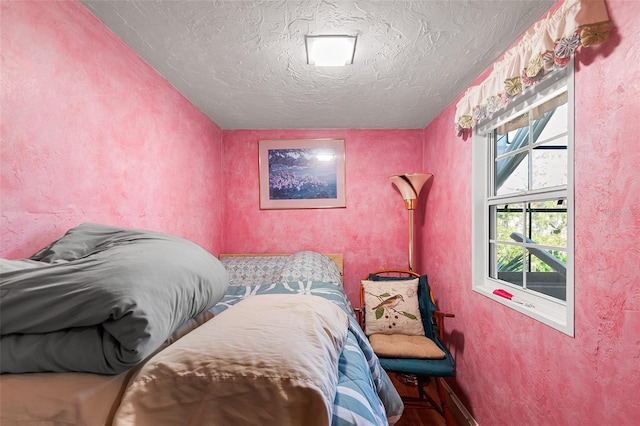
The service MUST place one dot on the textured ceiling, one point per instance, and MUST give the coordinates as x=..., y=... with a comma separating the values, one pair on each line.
x=243, y=63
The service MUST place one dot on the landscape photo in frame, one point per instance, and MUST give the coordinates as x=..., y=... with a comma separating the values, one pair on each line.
x=302, y=173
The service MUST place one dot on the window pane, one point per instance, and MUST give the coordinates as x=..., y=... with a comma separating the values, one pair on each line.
x=553, y=117
x=509, y=219
x=548, y=282
x=548, y=261
x=512, y=174
x=548, y=222
x=510, y=263
x=549, y=166
x=517, y=131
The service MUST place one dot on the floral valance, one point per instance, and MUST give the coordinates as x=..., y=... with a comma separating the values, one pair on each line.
x=548, y=45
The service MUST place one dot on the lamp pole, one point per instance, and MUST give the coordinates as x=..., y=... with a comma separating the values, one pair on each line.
x=410, y=185
x=411, y=206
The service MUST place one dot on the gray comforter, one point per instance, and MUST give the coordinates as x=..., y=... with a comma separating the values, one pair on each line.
x=101, y=299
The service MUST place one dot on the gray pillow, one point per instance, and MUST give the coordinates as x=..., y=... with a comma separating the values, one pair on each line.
x=311, y=266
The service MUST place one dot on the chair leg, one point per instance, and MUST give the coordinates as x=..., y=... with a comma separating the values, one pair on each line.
x=446, y=411
x=424, y=396
x=420, y=381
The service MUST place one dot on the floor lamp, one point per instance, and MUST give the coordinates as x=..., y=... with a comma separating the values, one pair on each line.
x=410, y=185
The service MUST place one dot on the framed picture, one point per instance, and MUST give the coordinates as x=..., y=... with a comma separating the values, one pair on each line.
x=302, y=174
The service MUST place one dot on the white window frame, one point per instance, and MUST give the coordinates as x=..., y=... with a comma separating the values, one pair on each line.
x=548, y=310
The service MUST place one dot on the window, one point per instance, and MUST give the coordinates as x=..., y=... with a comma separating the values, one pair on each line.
x=522, y=202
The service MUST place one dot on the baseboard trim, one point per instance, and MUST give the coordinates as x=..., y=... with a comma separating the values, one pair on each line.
x=459, y=411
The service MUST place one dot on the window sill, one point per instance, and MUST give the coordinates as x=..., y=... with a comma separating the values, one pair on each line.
x=539, y=307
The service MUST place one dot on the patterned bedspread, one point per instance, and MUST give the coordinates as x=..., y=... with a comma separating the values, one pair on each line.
x=365, y=394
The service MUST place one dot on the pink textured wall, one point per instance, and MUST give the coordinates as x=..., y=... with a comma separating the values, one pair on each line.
x=371, y=231
x=91, y=133
x=510, y=368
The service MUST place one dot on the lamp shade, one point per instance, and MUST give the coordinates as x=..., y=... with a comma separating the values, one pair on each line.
x=410, y=185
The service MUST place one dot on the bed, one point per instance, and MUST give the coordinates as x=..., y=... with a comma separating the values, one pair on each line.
x=252, y=342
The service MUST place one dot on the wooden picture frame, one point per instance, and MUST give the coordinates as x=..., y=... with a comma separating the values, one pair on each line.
x=302, y=174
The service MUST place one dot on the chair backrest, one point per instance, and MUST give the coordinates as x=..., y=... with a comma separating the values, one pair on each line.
x=426, y=301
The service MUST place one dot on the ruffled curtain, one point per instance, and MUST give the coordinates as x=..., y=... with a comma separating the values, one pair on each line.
x=548, y=45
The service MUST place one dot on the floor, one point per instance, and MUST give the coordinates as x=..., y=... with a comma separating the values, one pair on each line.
x=413, y=415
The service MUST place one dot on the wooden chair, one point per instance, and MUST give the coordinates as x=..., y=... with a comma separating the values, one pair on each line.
x=433, y=321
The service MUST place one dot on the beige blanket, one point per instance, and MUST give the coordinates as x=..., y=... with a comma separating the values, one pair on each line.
x=55, y=399
x=268, y=360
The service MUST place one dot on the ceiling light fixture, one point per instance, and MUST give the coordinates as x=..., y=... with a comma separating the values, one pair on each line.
x=330, y=50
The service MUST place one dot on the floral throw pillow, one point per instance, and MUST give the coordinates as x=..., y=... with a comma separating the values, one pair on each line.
x=391, y=307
